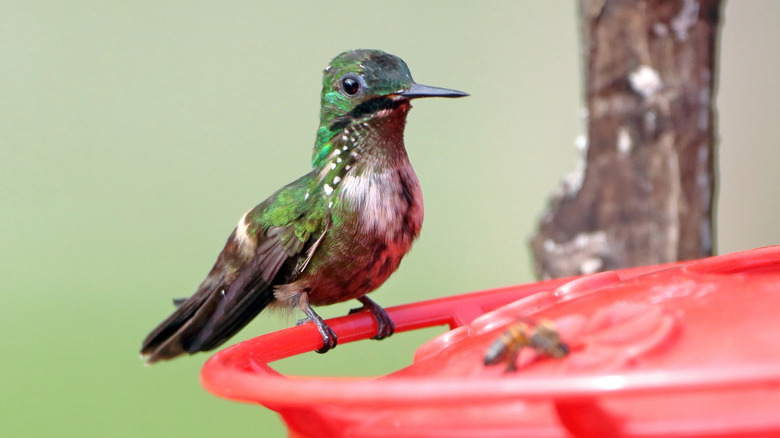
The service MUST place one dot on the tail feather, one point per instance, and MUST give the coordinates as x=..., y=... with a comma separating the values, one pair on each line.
x=216, y=312
x=247, y=296
x=235, y=291
x=169, y=339
x=215, y=334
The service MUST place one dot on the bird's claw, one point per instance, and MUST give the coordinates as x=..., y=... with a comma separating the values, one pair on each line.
x=329, y=337
x=385, y=325
x=329, y=340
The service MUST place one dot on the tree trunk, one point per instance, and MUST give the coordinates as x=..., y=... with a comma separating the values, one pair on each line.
x=645, y=192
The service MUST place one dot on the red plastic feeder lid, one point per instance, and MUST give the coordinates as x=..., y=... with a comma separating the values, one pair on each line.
x=691, y=349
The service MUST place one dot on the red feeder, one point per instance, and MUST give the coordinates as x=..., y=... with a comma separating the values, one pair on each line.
x=691, y=349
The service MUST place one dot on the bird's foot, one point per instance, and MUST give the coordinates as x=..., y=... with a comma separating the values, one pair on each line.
x=385, y=325
x=329, y=337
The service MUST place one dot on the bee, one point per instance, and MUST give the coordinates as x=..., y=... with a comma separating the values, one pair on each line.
x=542, y=337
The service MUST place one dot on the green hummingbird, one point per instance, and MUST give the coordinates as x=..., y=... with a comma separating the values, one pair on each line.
x=334, y=234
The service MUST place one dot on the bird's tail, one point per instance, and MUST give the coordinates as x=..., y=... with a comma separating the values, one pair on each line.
x=206, y=320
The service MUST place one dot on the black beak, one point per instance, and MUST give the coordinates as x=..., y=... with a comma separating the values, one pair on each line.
x=417, y=90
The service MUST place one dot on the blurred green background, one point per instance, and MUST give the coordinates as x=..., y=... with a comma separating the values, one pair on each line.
x=133, y=135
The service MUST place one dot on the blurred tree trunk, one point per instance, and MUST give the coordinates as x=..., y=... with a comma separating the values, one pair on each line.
x=644, y=194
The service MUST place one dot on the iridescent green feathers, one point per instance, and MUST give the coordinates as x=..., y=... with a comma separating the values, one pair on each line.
x=379, y=75
x=300, y=207
x=288, y=207
x=335, y=234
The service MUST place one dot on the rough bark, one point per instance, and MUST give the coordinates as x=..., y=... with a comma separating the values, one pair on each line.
x=645, y=191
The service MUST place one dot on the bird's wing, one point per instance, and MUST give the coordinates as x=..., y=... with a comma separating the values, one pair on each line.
x=279, y=254
x=282, y=231
x=286, y=230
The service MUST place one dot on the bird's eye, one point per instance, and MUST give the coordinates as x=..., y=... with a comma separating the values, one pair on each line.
x=350, y=85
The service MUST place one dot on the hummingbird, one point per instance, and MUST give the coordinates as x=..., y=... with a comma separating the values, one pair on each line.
x=334, y=234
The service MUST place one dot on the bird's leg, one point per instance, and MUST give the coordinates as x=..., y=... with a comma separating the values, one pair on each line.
x=329, y=338
x=385, y=325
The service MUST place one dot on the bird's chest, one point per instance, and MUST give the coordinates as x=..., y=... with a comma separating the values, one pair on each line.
x=375, y=221
x=385, y=206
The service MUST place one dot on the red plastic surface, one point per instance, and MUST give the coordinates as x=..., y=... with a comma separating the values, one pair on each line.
x=691, y=349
